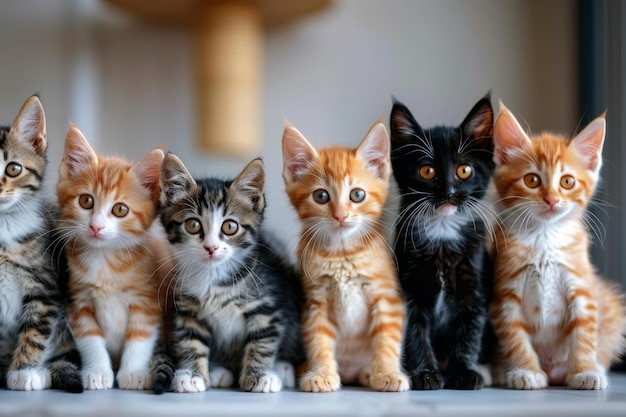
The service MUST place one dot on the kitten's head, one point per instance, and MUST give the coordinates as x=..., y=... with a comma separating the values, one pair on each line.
x=106, y=202
x=212, y=224
x=23, y=156
x=442, y=172
x=338, y=193
x=545, y=177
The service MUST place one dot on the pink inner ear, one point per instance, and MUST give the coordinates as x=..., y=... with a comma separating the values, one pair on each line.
x=588, y=143
x=508, y=136
x=298, y=154
x=374, y=149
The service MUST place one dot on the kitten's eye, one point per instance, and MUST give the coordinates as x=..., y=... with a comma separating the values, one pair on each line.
x=119, y=210
x=464, y=172
x=568, y=182
x=357, y=195
x=193, y=226
x=230, y=227
x=532, y=180
x=86, y=201
x=13, y=170
x=321, y=196
x=427, y=172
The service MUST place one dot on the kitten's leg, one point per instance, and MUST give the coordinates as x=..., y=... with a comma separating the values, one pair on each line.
x=221, y=377
x=320, y=335
x=287, y=373
x=386, y=331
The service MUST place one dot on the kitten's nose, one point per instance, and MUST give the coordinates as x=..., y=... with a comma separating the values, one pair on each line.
x=211, y=249
x=95, y=229
x=340, y=217
x=551, y=201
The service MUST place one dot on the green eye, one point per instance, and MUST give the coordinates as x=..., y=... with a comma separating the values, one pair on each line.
x=230, y=227
x=120, y=210
x=86, y=201
x=13, y=169
x=193, y=226
x=321, y=196
x=357, y=195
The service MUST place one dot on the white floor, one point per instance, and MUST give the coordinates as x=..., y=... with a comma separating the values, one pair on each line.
x=347, y=402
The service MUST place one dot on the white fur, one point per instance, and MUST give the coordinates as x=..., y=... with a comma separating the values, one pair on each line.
x=287, y=373
x=96, y=368
x=29, y=379
x=221, y=377
x=184, y=382
x=10, y=302
x=268, y=382
x=134, y=372
x=445, y=226
x=19, y=220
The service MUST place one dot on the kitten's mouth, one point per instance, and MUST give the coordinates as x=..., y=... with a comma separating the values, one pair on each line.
x=446, y=209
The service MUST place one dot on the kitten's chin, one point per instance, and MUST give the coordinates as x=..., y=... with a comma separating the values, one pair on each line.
x=446, y=209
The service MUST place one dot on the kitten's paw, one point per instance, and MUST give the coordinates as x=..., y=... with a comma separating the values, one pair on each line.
x=260, y=382
x=221, y=377
x=287, y=373
x=29, y=379
x=185, y=381
x=97, y=378
x=389, y=382
x=363, y=378
x=465, y=379
x=526, y=379
x=427, y=380
x=320, y=382
x=592, y=380
x=136, y=380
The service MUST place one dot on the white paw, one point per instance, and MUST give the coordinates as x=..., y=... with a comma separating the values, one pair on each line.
x=138, y=380
x=184, y=381
x=221, y=377
x=286, y=373
x=485, y=372
x=525, y=379
x=589, y=380
x=29, y=379
x=94, y=378
x=260, y=382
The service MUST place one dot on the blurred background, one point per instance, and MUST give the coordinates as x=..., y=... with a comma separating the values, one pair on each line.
x=129, y=84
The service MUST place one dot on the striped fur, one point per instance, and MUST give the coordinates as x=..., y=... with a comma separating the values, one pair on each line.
x=36, y=345
x=235, y=297
x=353, y=319
x=557, y=321
x=116, y=255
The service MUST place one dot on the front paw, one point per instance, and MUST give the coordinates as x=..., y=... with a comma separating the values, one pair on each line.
x=221, y=377
x=136, y=380
x=521, y=378
x=427, y=380
x=287, y=373
x=465, y=379
x=592, y=380
x=94, y=378
x=186, y=381
x=29, y=379
x=260, y=382
x=389, y=382
x=320, y=382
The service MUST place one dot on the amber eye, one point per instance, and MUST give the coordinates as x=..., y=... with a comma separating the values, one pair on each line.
x=568, y=182
x=230, y=227
x=86, y=201
x=119, y=210
x=464, y=171
x=13, y=170
x=321, y=196
x=532, y=180
x=427, y=172
x=357, y=195
x=193, y=226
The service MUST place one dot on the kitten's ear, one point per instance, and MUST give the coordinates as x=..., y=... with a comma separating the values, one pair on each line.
x=148, y=171
x=508, y=136
x=78, y=154
x=176, y=182
x=478, y=124
x=374, y=150
x=298, y=154
x=588, y=143
x=30, y=125
x=251, y=184
x=403, y=126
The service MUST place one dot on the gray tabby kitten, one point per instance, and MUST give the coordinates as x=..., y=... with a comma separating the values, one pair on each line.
x=35, y=341
x=236, y=297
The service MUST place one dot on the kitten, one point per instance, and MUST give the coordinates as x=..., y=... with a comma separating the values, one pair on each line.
x=36, y=343
x=442, y=174
x=556, y=320
x=236, y=313
x=114, y=253
x=353, y=317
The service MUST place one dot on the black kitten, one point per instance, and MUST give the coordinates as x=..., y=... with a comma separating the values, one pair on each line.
x=443, y=173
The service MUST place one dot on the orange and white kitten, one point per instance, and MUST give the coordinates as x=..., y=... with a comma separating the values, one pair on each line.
x=353, y=319
x=114, y=252
x=556, y=320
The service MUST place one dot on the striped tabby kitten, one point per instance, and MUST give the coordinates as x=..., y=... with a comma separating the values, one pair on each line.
x=557, y=321
x=354, y=315
x=35, y=336
x=114, y=250
x=236, y=297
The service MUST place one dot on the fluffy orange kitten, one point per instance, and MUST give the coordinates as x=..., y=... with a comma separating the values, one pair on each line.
x=353, y=317
x=557, y=322
x=107, y=211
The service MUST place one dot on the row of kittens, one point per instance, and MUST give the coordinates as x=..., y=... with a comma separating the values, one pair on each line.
x=143, y=277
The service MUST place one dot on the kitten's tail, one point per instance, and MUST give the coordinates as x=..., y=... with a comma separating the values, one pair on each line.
x=65, y=373
x=162, y=368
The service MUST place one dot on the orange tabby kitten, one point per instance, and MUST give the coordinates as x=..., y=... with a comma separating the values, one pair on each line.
x=353, y=317
x=107, y=211
x=556, y=320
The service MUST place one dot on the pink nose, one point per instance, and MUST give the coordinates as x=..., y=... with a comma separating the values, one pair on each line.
x=95, y=229
x=340, y=217
x=211, y=249
x=551, y=201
